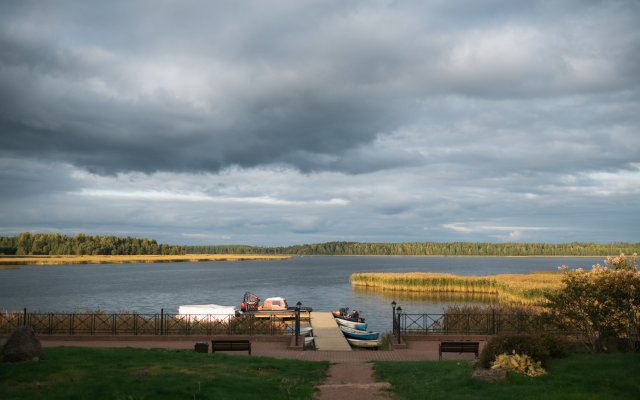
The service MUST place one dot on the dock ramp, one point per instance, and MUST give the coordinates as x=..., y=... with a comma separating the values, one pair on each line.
x=327, y=334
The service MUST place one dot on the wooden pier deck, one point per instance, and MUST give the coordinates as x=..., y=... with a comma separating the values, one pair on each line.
x=327, y=334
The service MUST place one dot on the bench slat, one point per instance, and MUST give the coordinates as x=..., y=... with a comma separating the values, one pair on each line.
x=458, y=347
x=231, y=345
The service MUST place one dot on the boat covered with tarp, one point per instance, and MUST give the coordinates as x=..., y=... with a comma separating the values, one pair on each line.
x=213, y=312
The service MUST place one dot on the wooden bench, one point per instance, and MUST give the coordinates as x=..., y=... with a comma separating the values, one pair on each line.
x=459, y=347
x=231, y=345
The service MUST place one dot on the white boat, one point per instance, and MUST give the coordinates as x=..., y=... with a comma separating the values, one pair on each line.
x=361, y=326
x=203, y=312
x=305, y=330
x=364, y=343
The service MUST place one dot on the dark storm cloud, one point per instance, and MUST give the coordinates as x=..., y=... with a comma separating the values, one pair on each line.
x=200, y=86
x=303, y=121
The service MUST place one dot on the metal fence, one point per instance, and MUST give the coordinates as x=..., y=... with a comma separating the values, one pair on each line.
x=468, y=324
x=150, y=324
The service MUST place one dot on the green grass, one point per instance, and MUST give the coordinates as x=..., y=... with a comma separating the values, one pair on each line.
x=134, y=374
x=579, y=377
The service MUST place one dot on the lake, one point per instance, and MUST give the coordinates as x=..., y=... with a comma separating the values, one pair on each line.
x=318, y=282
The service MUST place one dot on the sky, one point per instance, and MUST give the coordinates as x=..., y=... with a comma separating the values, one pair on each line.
x=289, y=122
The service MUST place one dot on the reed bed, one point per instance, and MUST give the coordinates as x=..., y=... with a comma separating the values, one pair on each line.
x=517, y=288
x=436, y=297
x=124, y=259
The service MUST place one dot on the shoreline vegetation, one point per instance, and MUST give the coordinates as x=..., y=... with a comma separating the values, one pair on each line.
x=27, y=243
x=508, y=288
x=129, y=259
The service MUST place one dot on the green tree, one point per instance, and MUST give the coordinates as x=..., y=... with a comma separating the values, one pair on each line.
x=601, y=304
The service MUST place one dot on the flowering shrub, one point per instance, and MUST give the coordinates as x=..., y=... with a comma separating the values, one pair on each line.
x=522, y=364
x=600, y=304
x=540, y=346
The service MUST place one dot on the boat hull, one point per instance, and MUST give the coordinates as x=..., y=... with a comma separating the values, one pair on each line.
x=368, y=344
x=362, y=326
x=357, y=334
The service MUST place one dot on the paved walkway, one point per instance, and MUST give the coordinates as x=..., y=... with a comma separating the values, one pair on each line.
x=352, y=382
x=415, y=351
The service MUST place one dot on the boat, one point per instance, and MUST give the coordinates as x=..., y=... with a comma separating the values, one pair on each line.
x=362, y=326
x=364, y=343
x=357, y=334
x=304, y=330
x=345, y=314
x=207, y=312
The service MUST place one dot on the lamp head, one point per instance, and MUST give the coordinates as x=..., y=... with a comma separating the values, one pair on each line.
x=393, y=304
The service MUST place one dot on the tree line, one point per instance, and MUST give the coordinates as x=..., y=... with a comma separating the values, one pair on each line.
x=429, y=249
x=57, y=244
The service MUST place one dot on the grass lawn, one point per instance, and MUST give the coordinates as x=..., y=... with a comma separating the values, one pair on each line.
x=579, y=377
x=132, y=374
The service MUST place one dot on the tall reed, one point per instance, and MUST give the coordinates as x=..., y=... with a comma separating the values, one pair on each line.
x=519, y=288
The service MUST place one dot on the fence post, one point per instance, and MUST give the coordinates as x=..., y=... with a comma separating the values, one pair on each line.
x=425, y=320
x=468, y=323
x=161, y=321
x=494, y=328
x=24, y=314
x=297, y=326
x=393, y=314
x=399, y=311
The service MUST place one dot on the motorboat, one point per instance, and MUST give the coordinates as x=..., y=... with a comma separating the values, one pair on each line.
x=362, y=326
x=358, y=334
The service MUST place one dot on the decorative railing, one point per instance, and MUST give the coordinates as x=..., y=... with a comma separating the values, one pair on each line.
x=468, y=324
x=152, y=324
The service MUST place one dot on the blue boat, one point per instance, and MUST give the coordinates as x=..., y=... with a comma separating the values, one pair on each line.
x=357, y=334
x=362, y=326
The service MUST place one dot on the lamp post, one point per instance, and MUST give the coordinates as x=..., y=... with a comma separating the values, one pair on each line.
x=297, y=327
x=399, y=311
x=393, y=314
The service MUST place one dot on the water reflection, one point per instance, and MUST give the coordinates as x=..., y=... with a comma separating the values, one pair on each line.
x=432, y=297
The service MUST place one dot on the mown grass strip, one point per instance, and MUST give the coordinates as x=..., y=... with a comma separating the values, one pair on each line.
x=86, y=373
x=579, y=377
x=520, y=288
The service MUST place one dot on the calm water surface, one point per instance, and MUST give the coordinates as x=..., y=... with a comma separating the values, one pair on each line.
x=318, y=282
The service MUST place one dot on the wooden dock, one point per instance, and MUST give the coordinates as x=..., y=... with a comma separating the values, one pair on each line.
x=327, y=334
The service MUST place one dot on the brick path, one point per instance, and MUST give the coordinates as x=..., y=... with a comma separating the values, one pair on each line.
x=415, y=351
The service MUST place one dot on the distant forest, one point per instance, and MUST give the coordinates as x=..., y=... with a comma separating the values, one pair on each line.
x=430, y=249
x=56, y=244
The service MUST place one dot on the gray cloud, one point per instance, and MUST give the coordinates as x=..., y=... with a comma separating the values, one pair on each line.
x=115, y=87
x=291, y=121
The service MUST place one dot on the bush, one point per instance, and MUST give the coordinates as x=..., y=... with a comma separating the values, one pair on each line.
x=599, y=306
x=557, y=346
x=531, y=345
x=522, y=364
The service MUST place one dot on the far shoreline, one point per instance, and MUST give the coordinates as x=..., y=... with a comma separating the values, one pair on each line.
x=19, y=260
x=11, y=260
